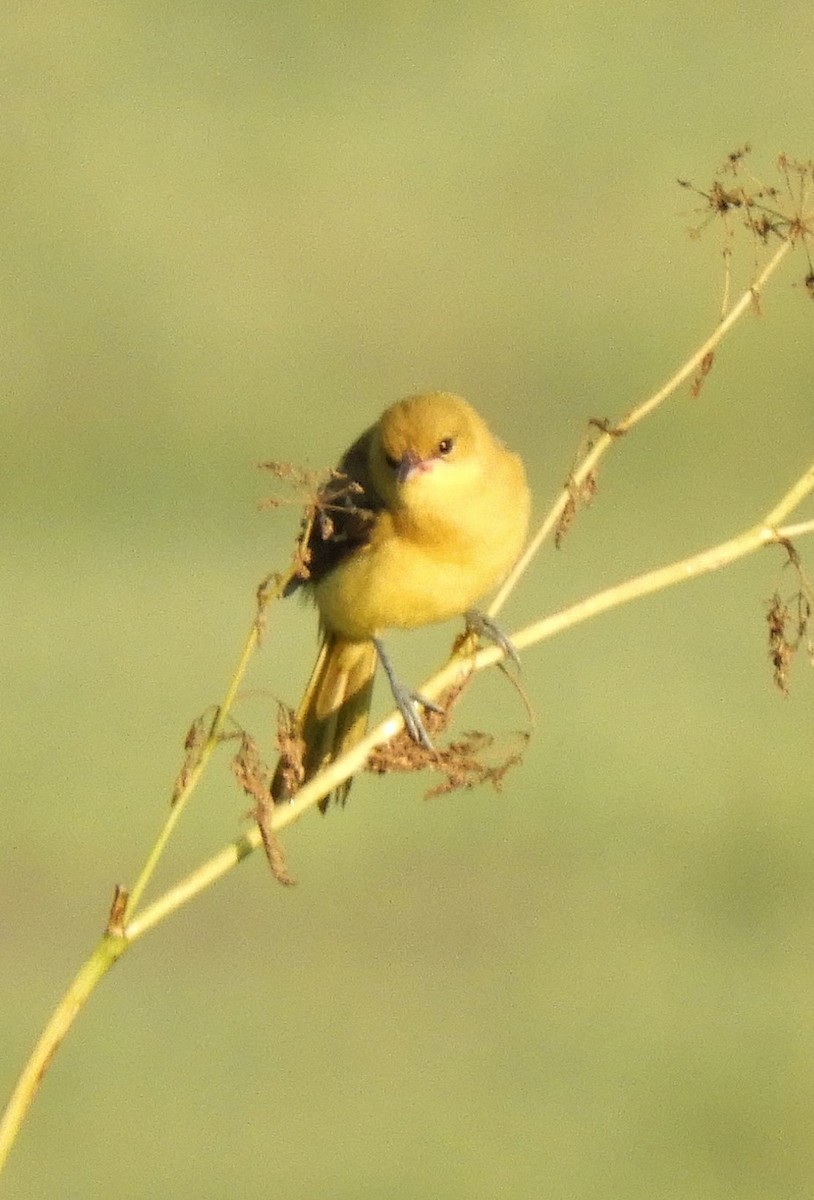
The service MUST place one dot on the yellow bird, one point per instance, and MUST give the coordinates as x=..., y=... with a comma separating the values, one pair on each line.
x=428, y=512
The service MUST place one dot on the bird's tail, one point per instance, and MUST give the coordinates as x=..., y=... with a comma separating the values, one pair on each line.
x=332, y=716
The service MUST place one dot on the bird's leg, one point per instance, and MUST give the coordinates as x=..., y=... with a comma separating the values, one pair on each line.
x=406, y=701
x=478, y=623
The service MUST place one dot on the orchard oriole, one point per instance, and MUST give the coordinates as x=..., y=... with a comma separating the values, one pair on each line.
x=428, y=510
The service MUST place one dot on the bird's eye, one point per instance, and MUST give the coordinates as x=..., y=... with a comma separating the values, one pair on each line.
x=392, y=462
x=445, y=446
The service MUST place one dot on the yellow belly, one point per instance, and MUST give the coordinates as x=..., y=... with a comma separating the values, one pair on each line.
x=399, y=582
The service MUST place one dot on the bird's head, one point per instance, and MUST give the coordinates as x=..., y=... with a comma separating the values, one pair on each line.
x=426, y=448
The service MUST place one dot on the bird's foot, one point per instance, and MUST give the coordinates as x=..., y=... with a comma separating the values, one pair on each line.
x=407, y=702
x=484, y=627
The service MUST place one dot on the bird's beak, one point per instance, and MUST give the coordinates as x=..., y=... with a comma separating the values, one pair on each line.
x=412, y=464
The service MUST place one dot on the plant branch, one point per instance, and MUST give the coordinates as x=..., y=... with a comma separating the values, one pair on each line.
x=117, y=939
x=103, y=957
x=206, y=751
x=608, y=437
x=128, y=922
x=765, y=533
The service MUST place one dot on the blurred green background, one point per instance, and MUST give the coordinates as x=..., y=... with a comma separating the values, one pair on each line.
x=234, y=232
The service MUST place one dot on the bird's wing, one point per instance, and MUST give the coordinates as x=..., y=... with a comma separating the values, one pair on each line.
x=341, y=518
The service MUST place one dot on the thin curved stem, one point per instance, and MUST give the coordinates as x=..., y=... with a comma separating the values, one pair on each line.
x=130, y=924
x=191, y=782
x=606, y=439
x=765, y=533
x=110, y=948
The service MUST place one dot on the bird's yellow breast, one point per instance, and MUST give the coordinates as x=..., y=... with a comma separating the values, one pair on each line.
x=454, y=534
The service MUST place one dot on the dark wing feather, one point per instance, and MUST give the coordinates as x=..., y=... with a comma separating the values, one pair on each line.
x=340, y=520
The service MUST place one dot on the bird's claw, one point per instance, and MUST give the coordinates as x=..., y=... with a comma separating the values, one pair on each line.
x=478, y=623
x=407, y=702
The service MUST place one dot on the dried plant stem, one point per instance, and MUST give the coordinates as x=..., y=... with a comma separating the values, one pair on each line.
x=128, y=923
x=103, y=957
x=765, y=533
x=207, y=750
x=117, y=937
x=111, y=947
x=606, y=439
